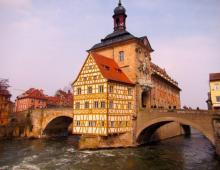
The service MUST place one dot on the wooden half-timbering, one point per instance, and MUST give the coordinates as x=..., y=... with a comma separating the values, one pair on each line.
x=101, y=107
x=121, y=107
x=89, y=117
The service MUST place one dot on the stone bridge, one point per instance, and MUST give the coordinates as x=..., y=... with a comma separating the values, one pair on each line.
x=149, y=121
x=50, y=121
x=43, y=122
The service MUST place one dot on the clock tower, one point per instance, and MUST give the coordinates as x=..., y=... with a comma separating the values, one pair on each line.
x=119, y=17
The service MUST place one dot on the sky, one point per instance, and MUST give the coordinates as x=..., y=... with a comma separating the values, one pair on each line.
x=43, y=43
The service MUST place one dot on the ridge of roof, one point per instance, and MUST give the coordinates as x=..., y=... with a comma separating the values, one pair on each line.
x=162, y=73
x=214, y=76
x=115, y=37
x=110, y=69
x=32, y=93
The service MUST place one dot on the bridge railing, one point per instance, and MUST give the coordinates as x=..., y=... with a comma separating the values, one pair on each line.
x=190, y=111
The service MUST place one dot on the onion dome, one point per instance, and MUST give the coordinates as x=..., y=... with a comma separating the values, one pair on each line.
x=119, y=9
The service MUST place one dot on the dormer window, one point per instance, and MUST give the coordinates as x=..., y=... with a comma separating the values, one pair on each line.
x=121, y=56
x=106, y=67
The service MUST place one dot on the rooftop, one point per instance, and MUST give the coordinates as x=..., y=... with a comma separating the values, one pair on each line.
x=110, y=69
x=214, y=76
x=33, y=93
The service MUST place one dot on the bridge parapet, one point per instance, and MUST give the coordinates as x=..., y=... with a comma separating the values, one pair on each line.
x=190, y=111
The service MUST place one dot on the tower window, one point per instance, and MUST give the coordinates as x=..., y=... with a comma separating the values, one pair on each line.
x=121, y=56
x=79, y=91
x=129, y=105
x=112, y=123
x=111, y=88
x=129, y=91
x=86, y=105
x=92, y=123
x=77, y=105
x=111, y=105
x=102, y=104
x=77, y=123
x=101, y=89
x=218, y=98
x=89, y=90
x=96, y=104
x=103, y=123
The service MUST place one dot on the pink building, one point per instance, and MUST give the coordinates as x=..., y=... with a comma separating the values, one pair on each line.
x=31, y=99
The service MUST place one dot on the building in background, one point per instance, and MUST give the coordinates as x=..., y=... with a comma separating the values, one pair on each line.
x=6, y=106
x=31, y=99
x=65, y=98
x=36, y=99
x=117, y=80
x=214, y=94
x=61, y=99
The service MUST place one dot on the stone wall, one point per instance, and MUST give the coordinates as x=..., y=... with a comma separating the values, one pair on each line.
x=113, y=141
x=216, y=124
x=19, y=125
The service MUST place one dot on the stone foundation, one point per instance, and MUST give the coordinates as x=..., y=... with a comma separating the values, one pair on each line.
x=126, y=139
x=11, y=131
x=98, y=142
x=217, y=135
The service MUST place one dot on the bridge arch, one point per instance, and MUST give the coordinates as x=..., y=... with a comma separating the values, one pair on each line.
x=148, y=129
x=57, y=124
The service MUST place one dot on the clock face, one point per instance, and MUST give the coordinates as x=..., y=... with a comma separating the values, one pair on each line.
x=121, y=24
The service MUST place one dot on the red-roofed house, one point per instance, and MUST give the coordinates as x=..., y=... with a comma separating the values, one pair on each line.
x=31, y=99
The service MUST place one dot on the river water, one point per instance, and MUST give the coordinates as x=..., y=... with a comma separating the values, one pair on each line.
x=181, y=153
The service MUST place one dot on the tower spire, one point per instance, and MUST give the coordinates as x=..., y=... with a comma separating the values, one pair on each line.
x=119, y=3
x=119, y=17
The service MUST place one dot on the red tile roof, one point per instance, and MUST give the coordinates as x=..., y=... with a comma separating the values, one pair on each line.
x=52, y=100
x=214, y=76
x=33, y=93
x=110, y=69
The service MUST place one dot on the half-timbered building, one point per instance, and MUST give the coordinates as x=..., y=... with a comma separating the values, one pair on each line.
x=103, y=98
x=117, y=81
